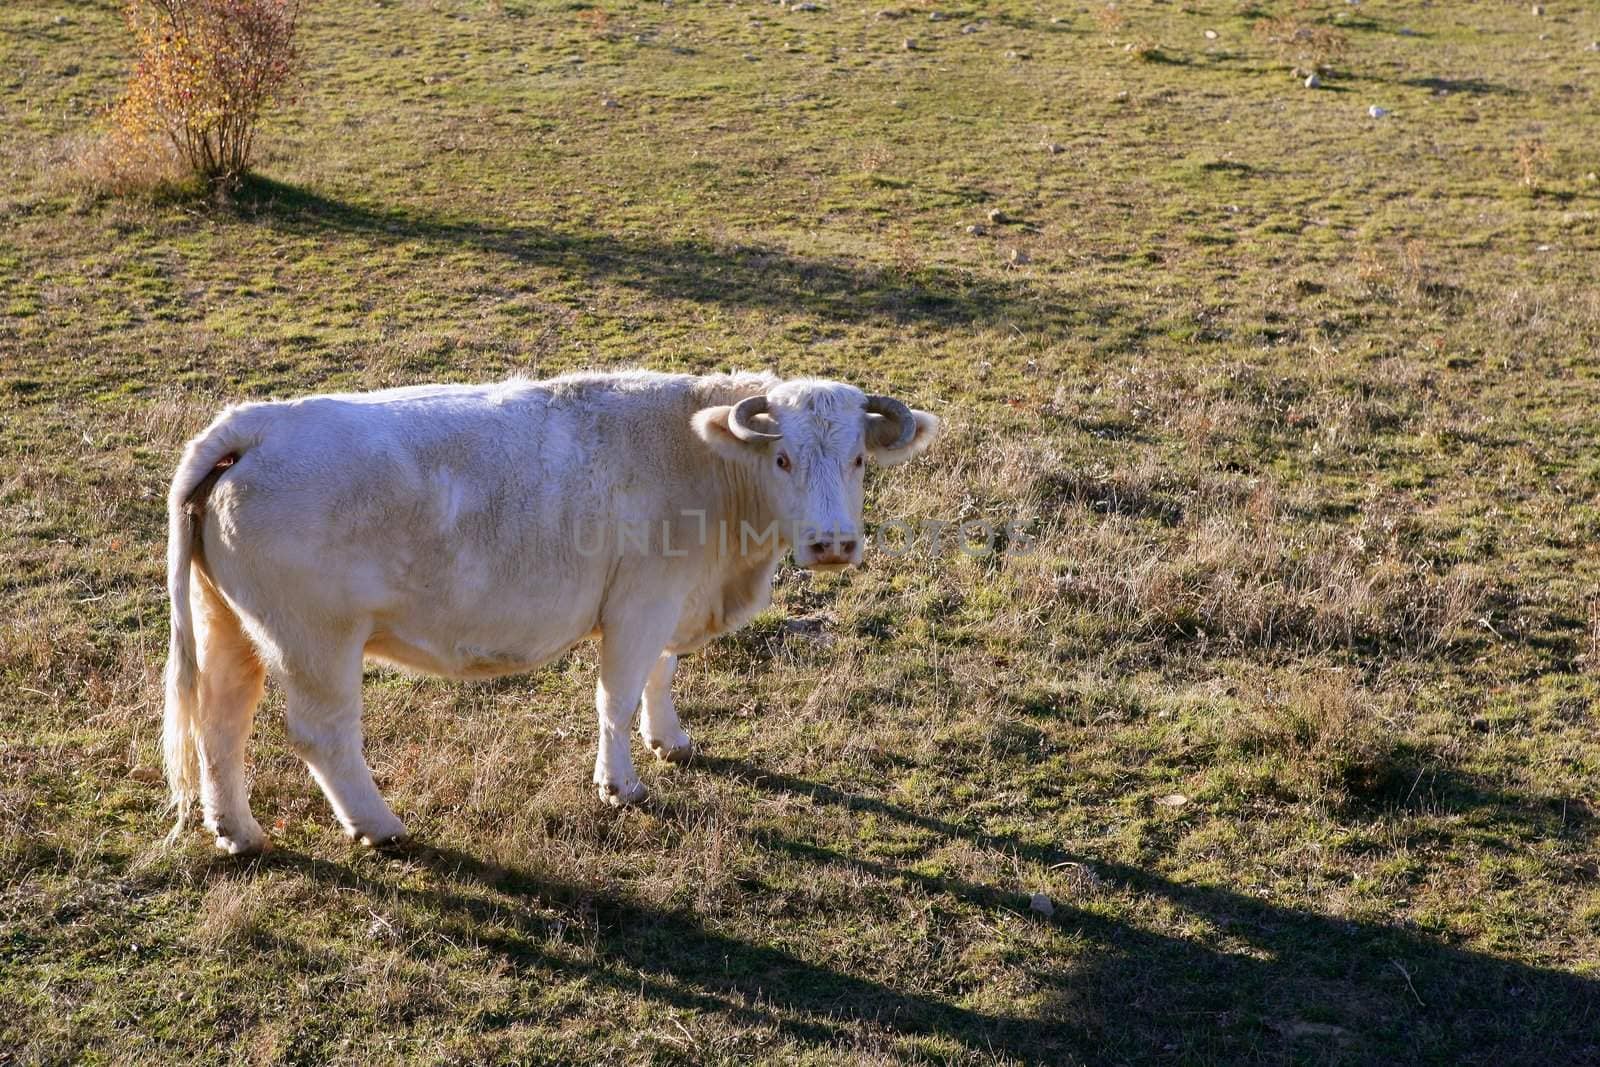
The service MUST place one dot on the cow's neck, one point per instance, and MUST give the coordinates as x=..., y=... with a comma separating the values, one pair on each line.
x=743, y=503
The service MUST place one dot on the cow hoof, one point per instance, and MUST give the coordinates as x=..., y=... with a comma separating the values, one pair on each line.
x=387, y=833
x=389, y=841
x=679, y=753
x=623, y=794
x=242, y=844
x=238, y=837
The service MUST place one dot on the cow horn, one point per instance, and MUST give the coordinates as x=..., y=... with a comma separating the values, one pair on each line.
x=739, y=420
x=897, y=413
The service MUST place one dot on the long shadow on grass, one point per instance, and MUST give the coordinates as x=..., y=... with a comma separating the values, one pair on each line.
x=1255, y=982
x=741, y=275
x=1248, y=982
x=674, y=957
x=1468, y=86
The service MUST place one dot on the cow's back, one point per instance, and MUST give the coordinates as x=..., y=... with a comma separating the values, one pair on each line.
x=449, y=520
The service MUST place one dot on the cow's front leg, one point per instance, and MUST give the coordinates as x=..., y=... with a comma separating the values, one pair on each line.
x=625, y=665
x=658, y=725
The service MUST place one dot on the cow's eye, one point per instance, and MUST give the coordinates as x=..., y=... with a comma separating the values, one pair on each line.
x=860, y=460
x=783, y=461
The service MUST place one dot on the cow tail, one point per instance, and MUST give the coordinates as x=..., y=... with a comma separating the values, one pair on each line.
x=204, y=460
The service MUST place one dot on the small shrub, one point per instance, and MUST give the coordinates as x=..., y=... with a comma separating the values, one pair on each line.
x=1304, y=43
x=206, y=71
x=596, y=21
x=1147, y=49
x=1110, y=19
x=1530, y=154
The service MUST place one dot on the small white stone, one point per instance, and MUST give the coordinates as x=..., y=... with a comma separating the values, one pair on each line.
x=609, y=102
x=1538, y=9
x=1313, y=82
x=1172, y=800
x=909, y=44
x=1042, y=904
x=1019, y=258
x=997, y=216
x=1377, y=112
x=1211, y=35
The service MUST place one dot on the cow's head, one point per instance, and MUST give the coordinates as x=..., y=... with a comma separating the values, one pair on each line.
x=807, y=442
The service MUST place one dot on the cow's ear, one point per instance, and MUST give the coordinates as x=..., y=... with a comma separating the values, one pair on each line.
x=927, y=430
x=711, y=426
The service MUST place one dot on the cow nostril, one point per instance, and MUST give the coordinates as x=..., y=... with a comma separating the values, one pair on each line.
x=819, y=548
x=847, y=547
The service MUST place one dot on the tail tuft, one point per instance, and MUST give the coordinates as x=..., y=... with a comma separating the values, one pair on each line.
x=178, y=725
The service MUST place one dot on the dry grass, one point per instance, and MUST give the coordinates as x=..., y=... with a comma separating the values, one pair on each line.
x=1325, y=740
x=232, y=913
x=1288, y=708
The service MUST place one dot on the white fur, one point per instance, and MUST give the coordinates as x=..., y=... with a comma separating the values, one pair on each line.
x=441, y=529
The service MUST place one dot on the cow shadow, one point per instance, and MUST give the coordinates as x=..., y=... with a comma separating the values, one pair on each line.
x=1259, y=981
x=1249, y=980
x=671, y=957
x=751, y=276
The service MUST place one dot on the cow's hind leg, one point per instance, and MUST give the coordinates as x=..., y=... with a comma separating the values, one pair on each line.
x=323, y=717
x=231, y=679
x=658, y=724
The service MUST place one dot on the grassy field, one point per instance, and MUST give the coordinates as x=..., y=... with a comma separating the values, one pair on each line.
x=1291, y=712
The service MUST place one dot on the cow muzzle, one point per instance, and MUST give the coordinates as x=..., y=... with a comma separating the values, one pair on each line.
x=828, y=552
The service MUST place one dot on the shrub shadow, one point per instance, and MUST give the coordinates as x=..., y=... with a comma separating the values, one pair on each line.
x=1470, y=86
x=750, y=276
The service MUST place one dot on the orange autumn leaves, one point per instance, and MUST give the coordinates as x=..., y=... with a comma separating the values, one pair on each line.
x=206, y=71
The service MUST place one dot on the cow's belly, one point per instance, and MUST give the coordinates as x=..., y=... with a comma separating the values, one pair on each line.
x=460, y=660
x=434, y=642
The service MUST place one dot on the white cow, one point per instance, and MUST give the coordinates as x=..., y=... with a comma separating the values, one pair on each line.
x=474, y=531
